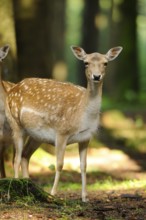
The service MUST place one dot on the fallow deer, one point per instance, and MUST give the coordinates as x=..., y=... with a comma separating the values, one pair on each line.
x=59, y=113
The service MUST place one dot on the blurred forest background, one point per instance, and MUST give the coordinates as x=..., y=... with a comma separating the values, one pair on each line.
x=40, y=33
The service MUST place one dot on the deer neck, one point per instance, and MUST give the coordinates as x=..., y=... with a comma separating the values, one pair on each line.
x=94, y=90
x=94, y=95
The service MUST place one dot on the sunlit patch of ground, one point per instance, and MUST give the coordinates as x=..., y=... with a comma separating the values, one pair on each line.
x=97, y=159
x=104, y=160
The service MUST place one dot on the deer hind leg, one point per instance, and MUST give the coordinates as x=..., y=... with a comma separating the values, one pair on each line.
x=30, y=146
x=83, y=163
x=61, y=142
x=17, y=139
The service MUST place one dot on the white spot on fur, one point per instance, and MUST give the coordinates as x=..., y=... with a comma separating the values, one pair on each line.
x=26, y=87
x=21, y=98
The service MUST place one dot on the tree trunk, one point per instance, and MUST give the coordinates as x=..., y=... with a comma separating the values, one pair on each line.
x=40, y=36
x=89, y=33
x=123, y=78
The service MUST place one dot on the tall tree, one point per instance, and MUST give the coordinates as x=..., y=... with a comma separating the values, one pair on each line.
x=124, y=33
x=40, y=29
x=89, y=33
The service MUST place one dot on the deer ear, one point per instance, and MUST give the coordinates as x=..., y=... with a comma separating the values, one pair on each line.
x=113, y=53
x=4, y=51
x=78, y=52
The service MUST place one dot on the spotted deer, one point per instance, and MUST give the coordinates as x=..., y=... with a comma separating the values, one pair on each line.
x=59, y=113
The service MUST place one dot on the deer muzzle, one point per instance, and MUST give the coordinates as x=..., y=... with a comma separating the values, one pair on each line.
x=96, y=78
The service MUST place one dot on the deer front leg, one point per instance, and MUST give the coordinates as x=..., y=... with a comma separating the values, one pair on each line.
x=60, y=150
x=83, y=163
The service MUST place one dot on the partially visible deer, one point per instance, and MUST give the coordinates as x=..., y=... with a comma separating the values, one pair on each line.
x=59, y=113
x=5, y=131
x=5, y=139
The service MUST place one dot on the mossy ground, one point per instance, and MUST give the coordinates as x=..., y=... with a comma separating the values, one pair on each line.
x=13, y=190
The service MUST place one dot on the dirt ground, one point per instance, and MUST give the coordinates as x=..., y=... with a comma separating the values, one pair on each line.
x=119, y=205
x=103, y=205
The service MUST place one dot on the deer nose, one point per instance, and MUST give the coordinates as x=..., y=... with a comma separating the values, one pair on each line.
x=96, y=77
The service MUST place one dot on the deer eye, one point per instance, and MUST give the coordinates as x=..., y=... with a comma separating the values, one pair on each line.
x=86, y=64
x=105, y=64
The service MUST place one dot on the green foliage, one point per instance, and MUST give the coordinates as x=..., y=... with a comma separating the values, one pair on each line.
x=131, y=96
x=109, y=184
x=52, y=167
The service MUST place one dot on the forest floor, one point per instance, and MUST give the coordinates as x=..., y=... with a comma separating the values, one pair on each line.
x=116, y=178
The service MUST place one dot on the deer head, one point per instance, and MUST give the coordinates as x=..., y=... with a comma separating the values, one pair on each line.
x=95, y=63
